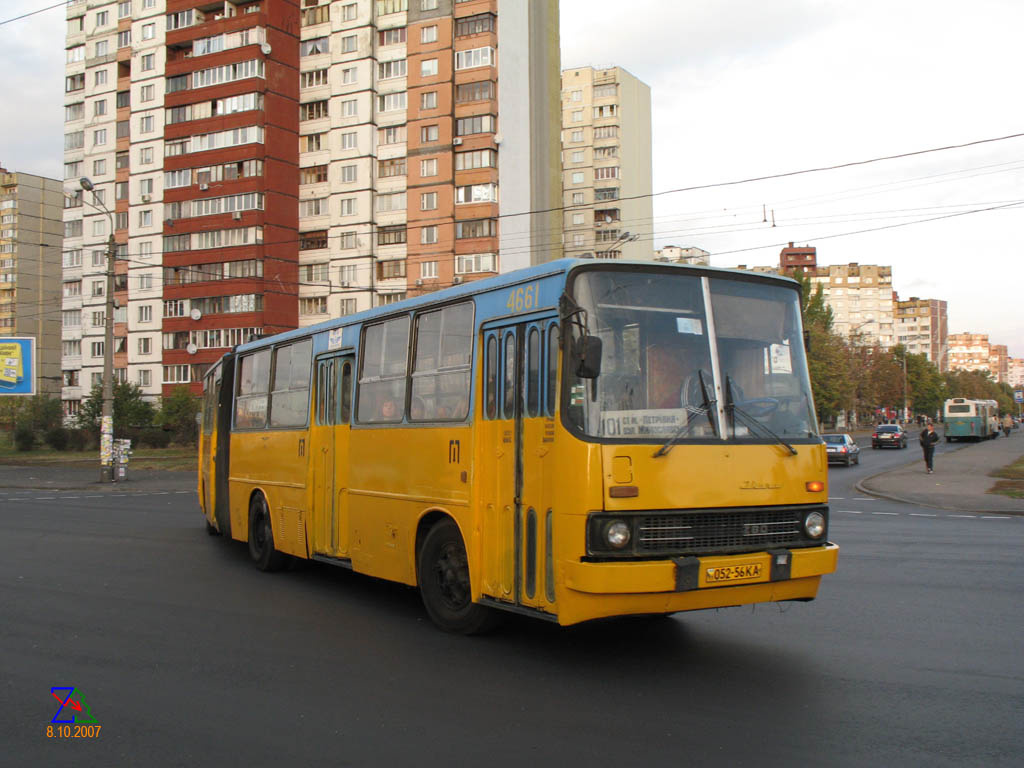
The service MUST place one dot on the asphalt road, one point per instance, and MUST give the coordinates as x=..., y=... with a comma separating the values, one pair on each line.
x=185, y=654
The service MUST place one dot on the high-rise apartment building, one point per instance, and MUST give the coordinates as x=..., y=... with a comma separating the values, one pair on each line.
x=267, y=164
x=675, y=254
x=969, y=352
x=796, y=257
x=606, y=164
x=30, y=247
x=998, y=362
x=922, y=327
x=1015, y=372
x=861, y=299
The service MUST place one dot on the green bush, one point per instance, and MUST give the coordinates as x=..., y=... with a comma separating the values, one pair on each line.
x=24, y=437
x=77, y=439
x=57, y=438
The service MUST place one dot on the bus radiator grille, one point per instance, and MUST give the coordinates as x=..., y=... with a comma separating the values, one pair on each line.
x=712, y=531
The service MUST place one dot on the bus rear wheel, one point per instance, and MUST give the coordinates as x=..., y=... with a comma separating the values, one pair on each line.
x=261, y=536
x=442, y=570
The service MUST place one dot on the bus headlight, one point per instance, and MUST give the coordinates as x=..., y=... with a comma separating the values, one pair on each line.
x=814, y=525
x=617, y=534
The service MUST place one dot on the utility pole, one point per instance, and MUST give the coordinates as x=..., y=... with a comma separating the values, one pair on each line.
x=107, y=416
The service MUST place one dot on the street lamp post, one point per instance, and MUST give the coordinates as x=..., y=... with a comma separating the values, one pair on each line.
x=107, y=417
x=625, y=237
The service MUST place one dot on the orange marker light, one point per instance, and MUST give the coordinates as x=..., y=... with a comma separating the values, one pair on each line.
x=815, y=486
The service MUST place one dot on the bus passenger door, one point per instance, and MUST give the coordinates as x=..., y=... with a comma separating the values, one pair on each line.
x=329, y=458
x=518, y=492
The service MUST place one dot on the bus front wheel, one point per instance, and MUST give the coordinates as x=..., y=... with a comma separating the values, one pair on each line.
x=443, y=573
x=261, y=536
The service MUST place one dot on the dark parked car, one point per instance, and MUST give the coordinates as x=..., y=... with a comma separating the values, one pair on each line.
x=841, y=449
x=889, y=436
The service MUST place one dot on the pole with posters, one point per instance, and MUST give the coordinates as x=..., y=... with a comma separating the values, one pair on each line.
x=18, y=365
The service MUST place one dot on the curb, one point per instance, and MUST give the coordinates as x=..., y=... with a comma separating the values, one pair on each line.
x=860, y=486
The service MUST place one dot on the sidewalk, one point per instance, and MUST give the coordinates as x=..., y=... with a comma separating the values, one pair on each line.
x=72, y=477
x=960, y=482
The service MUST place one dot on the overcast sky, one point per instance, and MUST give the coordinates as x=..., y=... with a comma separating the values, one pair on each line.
x=751, y=88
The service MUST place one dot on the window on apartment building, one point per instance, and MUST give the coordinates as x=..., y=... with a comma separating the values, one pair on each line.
x=349, y=173
x=395, y=167
x=146, y=218
x=313, y=110
x=394, y=201
x=428, y=270
x=145, y=186
x=428, y=201
x=74, y=111
x=313, y=241
x=313, y=305
x=609, y=193
x=577, y=116
x=428, y=167
x=346, y=275
x=349, y=140
x=428, y=34
x=75, y=54
x=349, y=75
x=428, y=67
x=477, y=193
x=606, y=132
x=393, y=235
x=124, y=9
x=466, y=126
x=99, y=167
x=476, y=228
x=312, y=142
x=605, y=91
x=315, y=46
x=350, y=108
x=145, y=281
x=576, y=135
x=315, y=273
x=148, y=62
x=578, y=218
x=428, y=134
x=387, y=70
x=390, y=269
x=607, y=110
x=148, y=31
x=315, y=207
x=479, y=90
x=428, y=5
x=99, y=77
x=604, y=152
x=99, y=137
x=121, y=192
x=390, y=102
x=99, y=108
x=347, y=240
x=313, y=174
x=348, y=206
x=74, y=83
x=394, y=36
x=474, y=25
x=146, y=313
x=578, y=198
x=475, y=57
x=146, y=124
x=349, y=44
x=99, y=228
x=394, y=134
x=610, y=172
x=145, y=345
x=428, y=100
x=101, y=48
x=314, y=79
x=428, y=235
x=577, y=177
x=475, y=262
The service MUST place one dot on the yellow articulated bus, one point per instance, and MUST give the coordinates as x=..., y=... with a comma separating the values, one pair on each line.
x=571, y=441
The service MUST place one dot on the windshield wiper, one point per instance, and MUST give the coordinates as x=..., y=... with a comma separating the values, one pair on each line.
x=684, y=430
x=751, y=421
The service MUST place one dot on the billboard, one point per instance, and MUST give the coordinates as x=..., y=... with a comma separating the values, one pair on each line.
x=17, y=365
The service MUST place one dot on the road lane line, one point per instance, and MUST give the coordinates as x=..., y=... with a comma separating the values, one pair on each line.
x=994, y=517
x=885, y=513
x=969, y=517
x=850, y=511
x=921, y=514
x=44, y=498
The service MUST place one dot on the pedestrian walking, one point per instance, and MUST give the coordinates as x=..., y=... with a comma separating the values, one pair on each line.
x=929, y=437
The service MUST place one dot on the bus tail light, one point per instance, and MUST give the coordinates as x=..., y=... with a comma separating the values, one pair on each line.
x=815, y=486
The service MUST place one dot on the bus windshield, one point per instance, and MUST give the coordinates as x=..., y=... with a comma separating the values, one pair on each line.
x=674, y=368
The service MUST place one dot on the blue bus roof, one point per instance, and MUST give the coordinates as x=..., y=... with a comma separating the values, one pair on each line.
x=525, y=275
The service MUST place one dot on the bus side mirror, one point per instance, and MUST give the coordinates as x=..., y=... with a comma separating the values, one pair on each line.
x=587, y=350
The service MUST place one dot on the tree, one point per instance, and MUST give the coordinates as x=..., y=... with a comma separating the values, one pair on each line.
x=178, y=414
x=130, y=408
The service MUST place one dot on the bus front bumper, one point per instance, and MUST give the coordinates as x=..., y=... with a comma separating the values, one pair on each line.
x=693, y=583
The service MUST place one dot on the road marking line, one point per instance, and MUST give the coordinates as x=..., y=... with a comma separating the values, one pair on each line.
x=44, y=498
x=864, y=498
x=159, y=493
x=921, y=514
x=885, y=513
x=970, y=517
x=837, y=498
x=97, y=496
x=993, y=517
x=851, y=511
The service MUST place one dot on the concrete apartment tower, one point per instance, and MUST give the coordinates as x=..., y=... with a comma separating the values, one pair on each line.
x=861, y=298
x=606, y=164
x=269, y=164
x=30, y=269
x=923, y=328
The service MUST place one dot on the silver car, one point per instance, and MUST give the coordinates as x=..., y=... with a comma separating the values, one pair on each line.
x=841, y=449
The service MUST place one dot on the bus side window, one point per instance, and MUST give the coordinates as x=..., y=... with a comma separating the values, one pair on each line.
x=346, y=393
x=491, y=381
x=253, y=389
x=552, y=369
x=533, y=373
x=509, y=405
